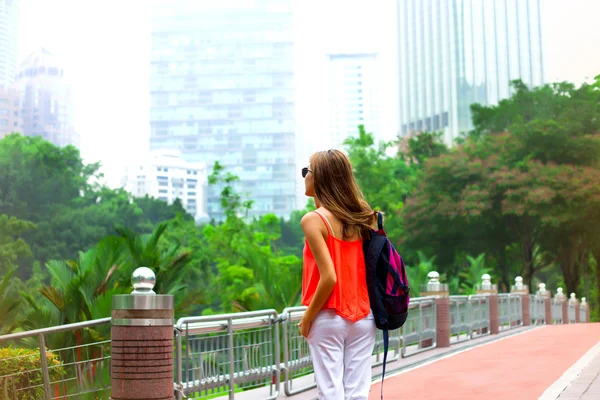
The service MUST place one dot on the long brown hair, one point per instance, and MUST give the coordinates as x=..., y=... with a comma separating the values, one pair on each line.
x=337, y=190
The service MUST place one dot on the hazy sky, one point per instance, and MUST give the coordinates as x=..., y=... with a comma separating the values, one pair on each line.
x=105, y=50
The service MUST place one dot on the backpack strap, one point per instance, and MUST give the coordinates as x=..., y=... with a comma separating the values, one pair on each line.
x=371, y=259
x=326, y=222
x=379, y=221
x=386, y=346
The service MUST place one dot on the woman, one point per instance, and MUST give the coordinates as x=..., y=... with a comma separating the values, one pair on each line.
x=338, y=323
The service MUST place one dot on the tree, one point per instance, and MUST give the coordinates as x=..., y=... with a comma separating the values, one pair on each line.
x=523, y=179
x=12, y=246
x=386, y=181
x=9, y=305
x=169, y=263
x=251, y=272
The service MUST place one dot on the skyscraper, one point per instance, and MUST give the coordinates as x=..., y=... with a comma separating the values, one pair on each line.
x=9, y=41
x=453, y=53
x=47, y=108
x=354, y=96
x=222, y=89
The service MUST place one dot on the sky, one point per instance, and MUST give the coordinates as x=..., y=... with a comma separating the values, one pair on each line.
x=105, y=50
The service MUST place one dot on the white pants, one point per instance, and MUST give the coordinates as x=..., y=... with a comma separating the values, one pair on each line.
x=341, y=353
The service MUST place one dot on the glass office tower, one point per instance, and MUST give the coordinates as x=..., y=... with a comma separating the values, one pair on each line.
x=222, y=90
x=453, y=53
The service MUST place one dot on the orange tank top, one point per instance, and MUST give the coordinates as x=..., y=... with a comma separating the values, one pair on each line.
x=349, y=298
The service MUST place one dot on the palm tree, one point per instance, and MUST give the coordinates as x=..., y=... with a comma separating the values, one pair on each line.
x=9, y=306
x=417, y=275
x=80, y=290
x=168, y=262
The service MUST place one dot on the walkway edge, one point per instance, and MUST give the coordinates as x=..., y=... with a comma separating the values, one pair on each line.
x=555, y=390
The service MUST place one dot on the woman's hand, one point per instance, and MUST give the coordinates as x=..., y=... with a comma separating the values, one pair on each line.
x=304, y=327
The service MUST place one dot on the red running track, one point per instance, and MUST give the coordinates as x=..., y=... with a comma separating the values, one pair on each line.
x=519, y=367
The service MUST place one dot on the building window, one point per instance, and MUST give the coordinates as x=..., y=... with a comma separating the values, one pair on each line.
x=162, y=198
x=163, y=191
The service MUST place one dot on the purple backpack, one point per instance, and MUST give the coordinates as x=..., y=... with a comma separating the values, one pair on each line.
x=387, y=284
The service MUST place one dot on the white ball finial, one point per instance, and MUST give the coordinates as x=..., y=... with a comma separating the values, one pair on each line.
x=583, y=302
x=559, y=291
x=143, y=281
x=542, y=290
x=434, y=278
x=519, y=283
x=573, y=296
x=486, y=281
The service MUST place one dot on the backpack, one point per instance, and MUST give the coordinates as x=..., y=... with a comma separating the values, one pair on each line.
x=387, y=285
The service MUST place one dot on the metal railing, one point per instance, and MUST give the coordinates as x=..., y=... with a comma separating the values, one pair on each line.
x=460, y=321
x=557, y=313
x=418, y=334
x=224, y=354
x=63, y=366
x=510, y=311
x=480, y=315
x=232, y=354
x=537, y=309
x=297, y=362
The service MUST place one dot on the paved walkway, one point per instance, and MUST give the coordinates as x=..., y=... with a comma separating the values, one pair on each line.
x=521, y=366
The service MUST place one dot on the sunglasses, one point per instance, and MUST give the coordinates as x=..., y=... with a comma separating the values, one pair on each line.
x=305, y=171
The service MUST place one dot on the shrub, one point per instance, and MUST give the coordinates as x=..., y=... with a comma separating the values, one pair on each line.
x=21, y=375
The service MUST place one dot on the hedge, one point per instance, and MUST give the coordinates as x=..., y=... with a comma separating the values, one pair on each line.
x=21, y=376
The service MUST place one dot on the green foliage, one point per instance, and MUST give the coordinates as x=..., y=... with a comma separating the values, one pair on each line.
x=9, y=305
x=24, y=377
x=417, y=274
x=168, y=262
x=252, y=272
x=521, y=188
x=385, y=181
x=12, y=246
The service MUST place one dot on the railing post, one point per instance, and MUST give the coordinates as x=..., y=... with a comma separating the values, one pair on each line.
x=523, y=290
x=442, y=305
x=586, y=306
x=44, y=368
x=560, y=296
x=542, y=293
x=490, y=290
x=575, y=303
x=142, y=342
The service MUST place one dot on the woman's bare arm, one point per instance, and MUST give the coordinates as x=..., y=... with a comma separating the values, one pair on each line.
x=315, y=233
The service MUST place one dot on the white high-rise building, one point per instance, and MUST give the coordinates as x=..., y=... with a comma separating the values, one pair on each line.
x=166, y=176
x=9, y=41
x=354, y=93
x=453, y=53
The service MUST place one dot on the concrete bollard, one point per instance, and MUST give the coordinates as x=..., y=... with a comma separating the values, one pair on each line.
x=587, y=310
x=560, y=296
x=542, y=293
x=442, y=306
x=142, y=342
x=573, y=301
x=523, y=290
x=491, y=291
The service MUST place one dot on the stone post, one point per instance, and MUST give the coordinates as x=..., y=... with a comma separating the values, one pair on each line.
x=142, y=342
x=523, y=291
x=560, y=296
x=442, y=309
x=575, y=303
x=587, y=310
x=491, y=291
x=545, y=294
